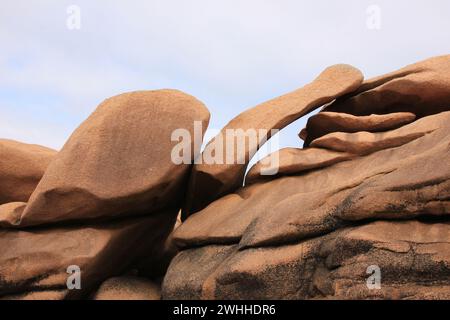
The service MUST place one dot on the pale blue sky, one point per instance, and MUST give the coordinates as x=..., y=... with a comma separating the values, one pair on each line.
x=230, y=54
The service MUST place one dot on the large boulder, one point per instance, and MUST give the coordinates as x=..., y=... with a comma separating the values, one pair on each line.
x=210, y=181
x=34, y=264
x=21, y=168
x=119, y=161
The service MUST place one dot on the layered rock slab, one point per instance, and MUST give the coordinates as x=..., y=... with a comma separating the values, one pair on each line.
x=34, y=263
x=363, y=142
x=21, y=168
x=327, y=122
x=210, y=181
x=119, y=161
x=413, y=259
x=289, y=161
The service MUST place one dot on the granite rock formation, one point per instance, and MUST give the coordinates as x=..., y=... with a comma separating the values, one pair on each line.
x=369, y=191
x=361, y=211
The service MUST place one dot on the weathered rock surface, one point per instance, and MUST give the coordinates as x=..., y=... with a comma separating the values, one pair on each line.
x=310, y=236
x=33, y=264
x=21, y=167
x=128, y=288
x=413, y=259
x=422, y=88
x=363, y=212
x=366, y=142
x=289, y=161
x=118, y=162
x=327, y=122
x=210, y=181
x=380, y=185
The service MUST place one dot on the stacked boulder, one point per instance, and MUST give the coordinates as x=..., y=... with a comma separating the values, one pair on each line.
x=106, y=203
x=367, y=196
x=368, y=192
